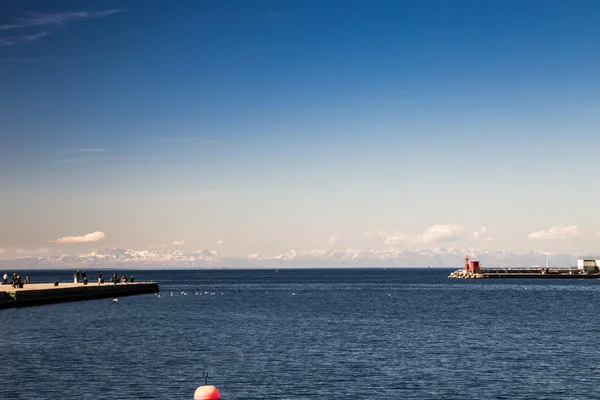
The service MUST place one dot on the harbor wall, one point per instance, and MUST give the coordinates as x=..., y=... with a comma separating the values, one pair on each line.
x=48, y=294
x=524, y=273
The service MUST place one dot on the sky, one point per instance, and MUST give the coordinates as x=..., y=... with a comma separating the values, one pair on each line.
x=263, y=126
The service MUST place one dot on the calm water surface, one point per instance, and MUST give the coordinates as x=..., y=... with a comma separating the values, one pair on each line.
x=299, y=334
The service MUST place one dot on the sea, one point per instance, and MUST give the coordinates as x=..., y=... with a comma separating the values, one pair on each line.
x=370, y=333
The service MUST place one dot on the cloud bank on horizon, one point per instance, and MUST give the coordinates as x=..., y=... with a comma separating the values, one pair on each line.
x=353, y=257
x=432, y=236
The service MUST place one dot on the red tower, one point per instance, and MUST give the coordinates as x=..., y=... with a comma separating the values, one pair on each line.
x=466, y=263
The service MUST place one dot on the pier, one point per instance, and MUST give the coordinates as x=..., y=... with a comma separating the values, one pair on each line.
x=538, y=273
x=587, y=268
x=47, y=293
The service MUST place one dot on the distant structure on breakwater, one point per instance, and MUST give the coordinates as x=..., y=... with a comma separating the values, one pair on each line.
x=48, y=293
x=588, y=267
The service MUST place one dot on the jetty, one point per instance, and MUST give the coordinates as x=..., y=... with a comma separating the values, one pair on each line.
x=586, y=268
x=35, y=294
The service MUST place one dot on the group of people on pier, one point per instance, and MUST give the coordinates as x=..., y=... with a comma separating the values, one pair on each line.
x=16, y=281
x=78, y=277
x=114, y=279
x=83, y=276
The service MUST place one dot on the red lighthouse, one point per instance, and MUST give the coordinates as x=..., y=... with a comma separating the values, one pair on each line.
x=466, y=263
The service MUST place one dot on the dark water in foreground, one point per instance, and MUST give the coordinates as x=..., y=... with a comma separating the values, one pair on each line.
x=299, y=334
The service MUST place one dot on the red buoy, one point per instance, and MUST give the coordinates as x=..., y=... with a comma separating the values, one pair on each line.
x=207, y=392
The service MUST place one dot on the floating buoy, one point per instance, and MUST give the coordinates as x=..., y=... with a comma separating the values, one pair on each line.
x=116, y=301
x=207, y=392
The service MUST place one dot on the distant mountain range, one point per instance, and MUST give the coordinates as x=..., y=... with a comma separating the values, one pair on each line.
x=442, y=257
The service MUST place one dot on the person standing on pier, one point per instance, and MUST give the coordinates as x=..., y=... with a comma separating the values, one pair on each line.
x=100, y=280
x=76, y=277
x=5, y=279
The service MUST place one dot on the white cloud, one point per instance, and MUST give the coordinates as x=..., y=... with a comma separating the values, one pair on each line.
x=221, y=241
x=179, y=242
x=433, y=234
x=287, y=256
x=157, y=246
x=10, y=41
x=333, y=239
x=19, y=251
x=369, y=234
x=557, y=232
x=441, y=233
x=57, y=19
x=42, y=250
x=490, y=239
x=478, y=234
x=397, y=238
x=317, y=252
x=90, y=237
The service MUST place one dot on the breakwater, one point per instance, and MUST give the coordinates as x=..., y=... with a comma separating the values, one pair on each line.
x=48, y=293
x=538, y=273
x=588, y=267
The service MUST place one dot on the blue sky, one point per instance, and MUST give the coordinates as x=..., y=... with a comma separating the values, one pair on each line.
x=263, y=126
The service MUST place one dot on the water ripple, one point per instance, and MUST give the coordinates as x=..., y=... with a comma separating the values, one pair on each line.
x=350, y=334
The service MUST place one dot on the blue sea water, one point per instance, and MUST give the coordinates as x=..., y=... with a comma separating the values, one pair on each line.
x=309, y=334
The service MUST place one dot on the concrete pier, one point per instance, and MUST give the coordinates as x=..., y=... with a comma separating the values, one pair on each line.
x=46, y=293
x=521, y=273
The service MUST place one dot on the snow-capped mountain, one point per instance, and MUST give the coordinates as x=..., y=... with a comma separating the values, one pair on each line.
x=391, y=257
